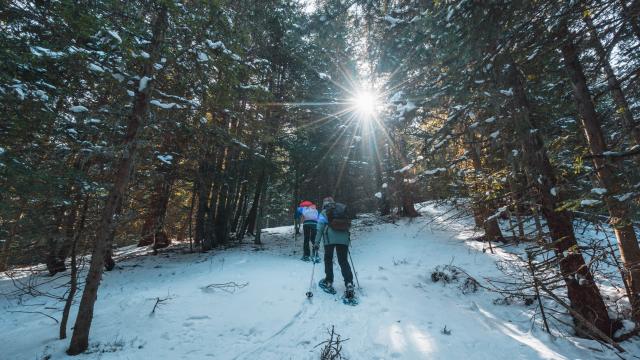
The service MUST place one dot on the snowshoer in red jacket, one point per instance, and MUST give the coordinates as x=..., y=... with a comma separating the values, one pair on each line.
x=308, y=216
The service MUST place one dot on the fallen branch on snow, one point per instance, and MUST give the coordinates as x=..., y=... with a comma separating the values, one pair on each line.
x=228, y=287
x=332, y=347
x=159, y=301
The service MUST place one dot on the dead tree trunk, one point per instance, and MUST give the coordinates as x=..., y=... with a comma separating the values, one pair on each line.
x=618, y=211
x=123, y=170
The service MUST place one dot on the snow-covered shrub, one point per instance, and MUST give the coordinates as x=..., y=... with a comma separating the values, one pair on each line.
x=452, y=274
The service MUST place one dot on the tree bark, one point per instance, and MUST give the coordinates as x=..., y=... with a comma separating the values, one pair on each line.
x=631, y=15
x=203, y=188
x=618, y=212
x=153, y=232
x=55, y=238
x=482, y=212
x=4, y=259
x=584, y=296
x=73, y=281
x=260, y=212
x=250, y=222
x=622, y=105
x=123, y=170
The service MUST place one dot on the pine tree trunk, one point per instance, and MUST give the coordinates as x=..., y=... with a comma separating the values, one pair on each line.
x=54, y=264
x=250, y=222
x=6, y=247
x=622, y=105
x=260, y=215
x=73, y=281
x=618, y=211
x=240, y=208
x=631, y=15
x=482, y=212
x=190, y=217
x=203, y=189
x=584, y=297
x=153, y=232
x=123, y=170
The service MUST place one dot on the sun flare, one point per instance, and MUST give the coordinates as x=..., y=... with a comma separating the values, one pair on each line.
x=365, y=102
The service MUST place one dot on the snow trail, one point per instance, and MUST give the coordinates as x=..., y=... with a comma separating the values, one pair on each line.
x=401, y=314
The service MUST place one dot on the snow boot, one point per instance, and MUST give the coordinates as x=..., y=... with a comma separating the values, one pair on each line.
x=349, y=297
x=326, y=287
x=305, y=258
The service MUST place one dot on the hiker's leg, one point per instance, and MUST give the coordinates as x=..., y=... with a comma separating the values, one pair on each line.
x=328, y=262
x=312, y=236
x=307, y=233
x=343, y=260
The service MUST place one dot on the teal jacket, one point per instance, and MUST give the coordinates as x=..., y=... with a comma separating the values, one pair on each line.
x=327, y=235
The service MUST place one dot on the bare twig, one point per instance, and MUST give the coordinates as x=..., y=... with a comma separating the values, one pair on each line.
x=228, y=287
x=159, y=301
x=34, y=312
x=332, y=349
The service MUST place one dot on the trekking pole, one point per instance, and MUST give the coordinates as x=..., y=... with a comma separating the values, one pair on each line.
x=354, y=270
x=309, y=293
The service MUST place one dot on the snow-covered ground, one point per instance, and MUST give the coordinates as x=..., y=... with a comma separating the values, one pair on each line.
x=402, y=313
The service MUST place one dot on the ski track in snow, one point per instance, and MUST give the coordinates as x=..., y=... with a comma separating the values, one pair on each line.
x=401, y=313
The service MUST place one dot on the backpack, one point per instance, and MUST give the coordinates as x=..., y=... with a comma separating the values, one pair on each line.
x=338, y=217
x=309, y=213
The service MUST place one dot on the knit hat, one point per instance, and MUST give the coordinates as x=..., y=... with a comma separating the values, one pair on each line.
x=326, y=201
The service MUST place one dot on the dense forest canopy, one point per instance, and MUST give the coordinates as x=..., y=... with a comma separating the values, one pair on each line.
x=153, y=122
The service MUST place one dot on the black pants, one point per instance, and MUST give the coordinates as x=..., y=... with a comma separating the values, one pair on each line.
x=343, y=261
x=309, y=236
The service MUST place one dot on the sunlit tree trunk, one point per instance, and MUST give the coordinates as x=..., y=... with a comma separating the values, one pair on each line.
x=123, y=170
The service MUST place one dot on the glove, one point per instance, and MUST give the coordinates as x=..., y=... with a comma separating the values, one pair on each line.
x=315, y=247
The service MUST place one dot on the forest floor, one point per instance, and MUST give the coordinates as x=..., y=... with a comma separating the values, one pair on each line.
x=402, y=314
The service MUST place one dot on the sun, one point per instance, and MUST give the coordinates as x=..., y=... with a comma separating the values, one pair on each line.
x=365, y=102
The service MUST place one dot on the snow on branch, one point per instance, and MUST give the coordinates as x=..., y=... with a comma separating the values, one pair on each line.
x=616, y=154
x=162, y=105
x=404, y=169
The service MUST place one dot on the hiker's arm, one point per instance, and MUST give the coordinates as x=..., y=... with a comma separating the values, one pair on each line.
x=322, y=223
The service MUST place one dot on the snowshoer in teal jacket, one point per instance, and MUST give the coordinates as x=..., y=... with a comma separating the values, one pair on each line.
x=339, y=241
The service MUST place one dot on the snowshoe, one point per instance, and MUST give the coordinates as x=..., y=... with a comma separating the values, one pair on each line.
x=349, y=297
x=326, y=287
x=351, y=302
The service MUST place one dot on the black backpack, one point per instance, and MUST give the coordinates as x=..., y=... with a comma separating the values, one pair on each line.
x=338, y=217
